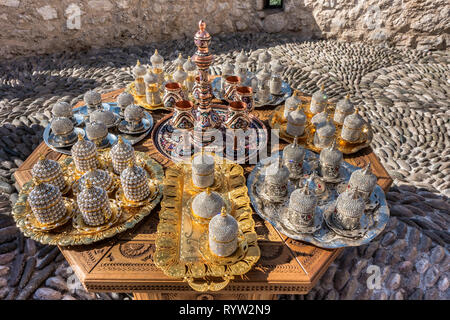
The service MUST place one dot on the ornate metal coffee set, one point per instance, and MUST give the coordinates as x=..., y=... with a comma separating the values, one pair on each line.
x=205, y=229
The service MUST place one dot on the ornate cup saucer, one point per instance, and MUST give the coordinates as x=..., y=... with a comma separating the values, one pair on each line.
x=79, y=224
x=239, y=254
x=123, y=201
x=57, y=143
x=146, y=125
x=357, y=233
x=318, y=220
x=37, y=226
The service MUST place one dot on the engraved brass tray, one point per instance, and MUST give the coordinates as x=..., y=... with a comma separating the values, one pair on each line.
x=325, y=233
x=181, y=251
x=279, y=122
x=68, y=234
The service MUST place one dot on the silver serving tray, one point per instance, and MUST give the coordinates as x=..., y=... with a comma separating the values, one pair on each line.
x=328, y=235
x=273, y=100
x=80, y=115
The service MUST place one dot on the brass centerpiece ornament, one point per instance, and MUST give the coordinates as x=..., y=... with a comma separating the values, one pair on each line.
x=209, y=249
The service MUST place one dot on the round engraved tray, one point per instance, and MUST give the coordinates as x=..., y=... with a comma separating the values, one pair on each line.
x=180, y=244
x=273, y=100
x=278, y=121
x=81, y=115
x=74, y=231
x=327, y=234
x=167, y=143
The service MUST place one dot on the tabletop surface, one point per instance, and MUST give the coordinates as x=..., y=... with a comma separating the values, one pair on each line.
x=124, y=263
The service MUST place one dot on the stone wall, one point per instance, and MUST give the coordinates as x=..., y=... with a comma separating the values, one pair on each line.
x=45, y=26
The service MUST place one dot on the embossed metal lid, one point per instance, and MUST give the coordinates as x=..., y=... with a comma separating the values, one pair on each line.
x=98, y=178
x=223, y=227
x=43, y=195
x=133, y=175
x=149, y=78
x=180, y=75
x=326, y=129
x=180, y=60
x=354, y=121
x=207, y=204
x=277, y=172
x=189, y=65
x=103, y=116
x=92, y=98
x=45, y=169
x=297, y=117
x=263, y=75
x=349, y=204
x=139, y=70
x=363, y=179
x=91, y=198
x=320, y=118
x=320, y=96
x=96, y=130
x=276, y=66
x=303, y=200
x=61, y=126
x=125, y=99
x=344, y=105
x=203, y=163
x=121, y=151
x=241, y=57
x=83, y=149
x=62, y=109
x=133, y=113
x=294, y=152
x=264, y=57
x=156, y=58
x=331, y=155
x=293, y=101
x=227, y=68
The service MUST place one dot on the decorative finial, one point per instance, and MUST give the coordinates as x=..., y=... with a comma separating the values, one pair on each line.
x=202, y=25
x=180, y=67
x=156, y=52
x=119, y=140
x=41, y=157
x=88, y=183
x=322, y=87
x=305, y=189
x=356, y=110
x=223, y=212
x=138, y=63
x=295, y=142
x=80, y=137
x=333, y=145
x=347, y=96
x=367, y=170
x=208, y=191
x=36, y=181
x=130, y=163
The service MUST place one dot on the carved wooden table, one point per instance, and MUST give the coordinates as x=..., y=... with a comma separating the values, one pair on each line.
x=124, y=263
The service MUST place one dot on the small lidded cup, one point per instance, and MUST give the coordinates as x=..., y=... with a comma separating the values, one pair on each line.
x=319, y=101
x=330, y=162
x=49, y=171
x=121, y=154
x=106, y=117
x=133, y=116
x=203, y=166
x=364, y=181
x=206, y=205
x=325, y=134
x=124, y=100
x=291, y=104
x=93, y=204
x=63, y=130
x=223, y=232
x=349, y=210
x=46, y=203
x=134, y=180
x=96, y=132
x=98, y=178
x=276, y=181
x=63, y=110
x=293, y=156
x=302, y=207
x=93, y=100
x=352, y=127
x=84, y=154
x=296, y=121
x=343, y=108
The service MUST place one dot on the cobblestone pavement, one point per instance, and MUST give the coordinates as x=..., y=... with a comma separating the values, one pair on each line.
x=403, y=93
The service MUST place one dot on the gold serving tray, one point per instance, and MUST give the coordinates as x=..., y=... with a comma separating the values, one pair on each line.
x=67, y=233
x=279, y=122
x=180, y=244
